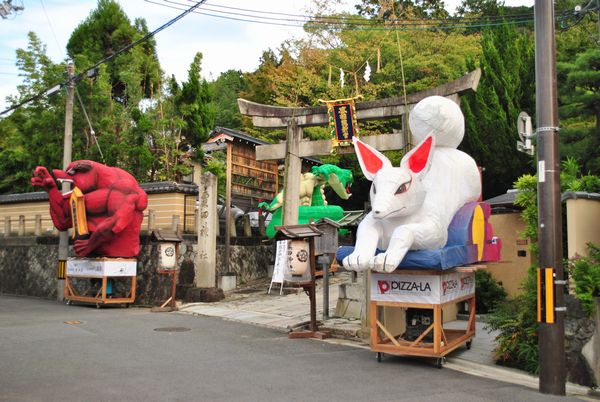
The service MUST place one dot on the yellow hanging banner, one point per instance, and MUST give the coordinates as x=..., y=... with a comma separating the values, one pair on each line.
x=77, y=203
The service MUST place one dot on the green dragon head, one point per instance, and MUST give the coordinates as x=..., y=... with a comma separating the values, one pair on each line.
x=339, y=179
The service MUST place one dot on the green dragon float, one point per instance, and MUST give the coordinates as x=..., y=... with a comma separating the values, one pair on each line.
x=313, y=204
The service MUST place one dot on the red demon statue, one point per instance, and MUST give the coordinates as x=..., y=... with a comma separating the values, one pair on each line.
x=114, y=205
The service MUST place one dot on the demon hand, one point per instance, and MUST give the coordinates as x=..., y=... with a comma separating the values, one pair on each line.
x=42, y=178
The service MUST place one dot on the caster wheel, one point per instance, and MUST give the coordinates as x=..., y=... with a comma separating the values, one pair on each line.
x=440, y=362
x=98, y=305
x=68, y=302
x=469, y=344
x=379, y=357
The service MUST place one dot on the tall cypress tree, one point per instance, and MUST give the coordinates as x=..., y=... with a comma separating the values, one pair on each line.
x=195, y=108
x=507, y=87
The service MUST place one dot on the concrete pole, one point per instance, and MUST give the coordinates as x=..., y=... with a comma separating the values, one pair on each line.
x=63, y=243
x=551, y=334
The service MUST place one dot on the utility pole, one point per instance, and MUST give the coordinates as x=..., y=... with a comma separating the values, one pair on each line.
x=551, y=308
x=63, y=240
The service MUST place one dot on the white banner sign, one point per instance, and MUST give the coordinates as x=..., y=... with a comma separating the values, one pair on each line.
x=97, y=268
x=281, y=261
x=427, y=289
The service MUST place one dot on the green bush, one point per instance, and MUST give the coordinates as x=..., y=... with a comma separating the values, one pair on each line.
x=585, y=274
x=516, y=320
x=488, y=292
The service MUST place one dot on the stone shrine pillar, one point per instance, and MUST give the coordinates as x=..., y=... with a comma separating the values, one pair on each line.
x=206, y=259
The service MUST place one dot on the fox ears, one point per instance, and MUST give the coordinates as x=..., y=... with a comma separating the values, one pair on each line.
x=418, y=160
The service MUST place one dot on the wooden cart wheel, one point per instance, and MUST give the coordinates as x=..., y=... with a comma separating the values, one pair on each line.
x=469, y=344
x=379, y=356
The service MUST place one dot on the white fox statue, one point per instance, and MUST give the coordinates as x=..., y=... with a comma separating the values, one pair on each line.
x=412, y=205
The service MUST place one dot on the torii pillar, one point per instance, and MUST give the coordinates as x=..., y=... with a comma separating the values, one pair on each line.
x=295, y=118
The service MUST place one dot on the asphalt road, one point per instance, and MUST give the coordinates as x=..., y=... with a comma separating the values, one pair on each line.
x=53, y=352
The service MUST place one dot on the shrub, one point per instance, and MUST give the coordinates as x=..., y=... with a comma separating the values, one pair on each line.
x=516, y=320
x=585, y=274
x=488, y=292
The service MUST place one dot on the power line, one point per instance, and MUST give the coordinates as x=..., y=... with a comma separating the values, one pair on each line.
x=347, y=20
x=350, y=18
x=366, y=26
x=108, y=58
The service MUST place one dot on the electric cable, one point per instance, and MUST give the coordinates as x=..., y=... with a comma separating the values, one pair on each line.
x=346, y=21
x=92, y=132
x=345, y=18
x=358, y=27
x=110, y=57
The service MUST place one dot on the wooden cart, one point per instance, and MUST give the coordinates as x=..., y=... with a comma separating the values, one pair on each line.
x=102, y=269
x=443, y=288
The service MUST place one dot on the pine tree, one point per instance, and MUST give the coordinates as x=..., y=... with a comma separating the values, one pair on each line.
x=580, y=103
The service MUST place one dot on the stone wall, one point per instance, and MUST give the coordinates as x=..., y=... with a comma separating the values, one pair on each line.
x=582, y=343
x=28, y=266
x=248, y=262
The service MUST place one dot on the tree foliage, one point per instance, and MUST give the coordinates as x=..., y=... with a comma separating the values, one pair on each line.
x=580, y=106
x=193, y=105
x=506, y=88
x=138, y=120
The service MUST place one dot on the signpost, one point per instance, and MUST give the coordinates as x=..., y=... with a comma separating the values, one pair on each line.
x=281, y=260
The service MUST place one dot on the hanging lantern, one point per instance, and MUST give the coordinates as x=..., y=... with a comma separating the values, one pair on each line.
x=298, y=260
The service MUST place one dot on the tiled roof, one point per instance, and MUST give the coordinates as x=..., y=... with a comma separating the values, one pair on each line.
x=245, y=137
x=156, y=187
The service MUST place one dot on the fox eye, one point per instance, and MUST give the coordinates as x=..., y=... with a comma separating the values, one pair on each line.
x=403, y=188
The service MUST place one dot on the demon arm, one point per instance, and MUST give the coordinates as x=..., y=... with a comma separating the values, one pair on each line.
x=59, y=203
x=121, y=208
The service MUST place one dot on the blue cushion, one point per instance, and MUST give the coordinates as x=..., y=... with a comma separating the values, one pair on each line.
x=441, y=259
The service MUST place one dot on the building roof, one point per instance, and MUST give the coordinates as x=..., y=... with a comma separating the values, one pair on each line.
x=574, y=195
x=156, y=187
x=503, y=200
x=508, y=200
x=240, y=136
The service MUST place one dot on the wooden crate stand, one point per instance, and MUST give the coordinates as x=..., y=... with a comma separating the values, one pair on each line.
x=102, y=269
x=444, y=340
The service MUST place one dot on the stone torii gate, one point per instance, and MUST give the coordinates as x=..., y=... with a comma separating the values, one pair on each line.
x=295, y=118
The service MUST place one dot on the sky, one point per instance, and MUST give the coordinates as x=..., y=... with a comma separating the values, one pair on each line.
x=225, y=43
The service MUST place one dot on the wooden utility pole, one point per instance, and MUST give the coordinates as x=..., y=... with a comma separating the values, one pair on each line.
x=63, y=240
x=551, y=310
x=228, y=206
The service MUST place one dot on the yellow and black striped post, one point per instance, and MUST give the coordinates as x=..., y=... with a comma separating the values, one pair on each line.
x=61, y=271
x=546, y=297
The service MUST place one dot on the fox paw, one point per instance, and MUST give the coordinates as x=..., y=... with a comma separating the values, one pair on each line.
x=385, y=262
x=356, y=262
